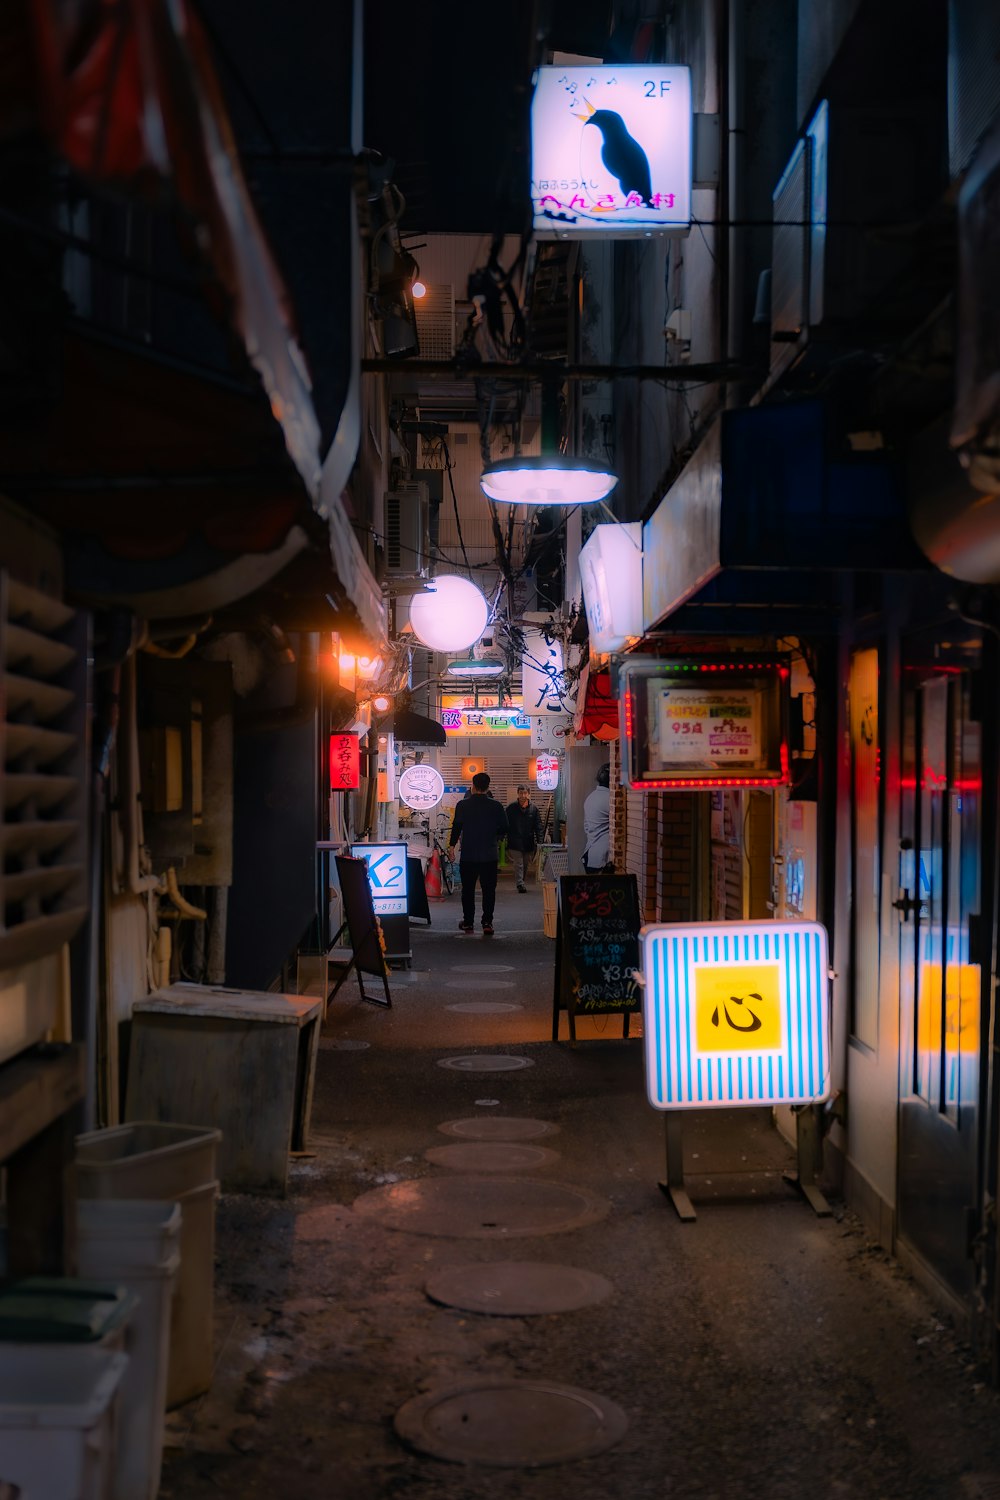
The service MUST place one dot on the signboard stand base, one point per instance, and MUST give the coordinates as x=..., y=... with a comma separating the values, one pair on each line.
x=807, y=1151
x=673, y=1185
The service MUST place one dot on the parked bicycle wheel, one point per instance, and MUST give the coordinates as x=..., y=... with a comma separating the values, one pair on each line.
x=447, y=873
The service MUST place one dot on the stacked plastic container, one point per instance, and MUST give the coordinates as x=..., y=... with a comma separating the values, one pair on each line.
x=176, y=1164
x=137, y=1244
x=61, y=1368
x=58, y=1420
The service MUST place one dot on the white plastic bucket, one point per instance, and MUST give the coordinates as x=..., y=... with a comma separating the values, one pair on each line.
x=136, y=1243
x=174, y=1162
x=58, y=1419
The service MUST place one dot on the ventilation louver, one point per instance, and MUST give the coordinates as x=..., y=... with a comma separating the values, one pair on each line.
x=42, y=795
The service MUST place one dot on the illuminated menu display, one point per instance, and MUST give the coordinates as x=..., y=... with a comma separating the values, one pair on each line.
x=697, y=722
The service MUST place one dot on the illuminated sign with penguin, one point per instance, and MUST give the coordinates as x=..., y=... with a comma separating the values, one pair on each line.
x=611, y=151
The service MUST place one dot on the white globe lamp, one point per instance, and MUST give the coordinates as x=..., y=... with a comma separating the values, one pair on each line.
x=451, y=616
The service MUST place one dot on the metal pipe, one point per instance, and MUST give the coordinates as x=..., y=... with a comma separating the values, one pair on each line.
x=735, y=170
x=541, y=371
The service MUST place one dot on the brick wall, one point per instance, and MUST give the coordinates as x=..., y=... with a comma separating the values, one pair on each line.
x=672, y=862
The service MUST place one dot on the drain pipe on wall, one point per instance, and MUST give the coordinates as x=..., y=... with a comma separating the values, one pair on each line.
x=735, y=190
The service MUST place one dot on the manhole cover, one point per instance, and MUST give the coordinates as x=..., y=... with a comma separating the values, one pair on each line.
x=491, y=1156
x=482, y=968
x=480, y=984
x=482, y=1208
x=517, y=1289
x=512, y=1424
x=483, y=1007
x=496, y=1062
x=500, y=1129
x=341, y=1044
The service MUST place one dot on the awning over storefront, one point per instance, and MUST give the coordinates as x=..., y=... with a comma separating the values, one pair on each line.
x=177, y=496
x=596, y=707
x=771, y=506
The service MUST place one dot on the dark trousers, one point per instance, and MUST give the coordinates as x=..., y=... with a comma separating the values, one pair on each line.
x=485, y=871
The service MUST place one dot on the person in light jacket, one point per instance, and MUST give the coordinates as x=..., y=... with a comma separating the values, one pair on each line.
x=478, y=825
x=525, y=835
x=597, y=824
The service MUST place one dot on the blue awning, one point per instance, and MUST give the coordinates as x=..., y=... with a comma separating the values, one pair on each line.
x=771, y=506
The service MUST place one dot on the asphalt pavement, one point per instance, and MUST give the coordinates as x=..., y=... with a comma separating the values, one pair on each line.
x=759, y=1351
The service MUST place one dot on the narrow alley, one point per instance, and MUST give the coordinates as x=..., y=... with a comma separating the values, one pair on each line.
x=760, y=1351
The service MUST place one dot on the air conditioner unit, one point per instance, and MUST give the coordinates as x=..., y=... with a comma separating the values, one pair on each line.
x=407, y=531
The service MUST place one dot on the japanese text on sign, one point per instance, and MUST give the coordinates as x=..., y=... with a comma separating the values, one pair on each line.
x=708, y=728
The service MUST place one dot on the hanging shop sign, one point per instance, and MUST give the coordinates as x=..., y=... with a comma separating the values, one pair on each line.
x=386, y=876
x=690, y=723
x=421, y=787
x=542, y=680
x=345, y=763
x=735, y=1013
x=611, y=578
x=611, y=151
x=549, y=733
x=482, y=715
x=546, y=772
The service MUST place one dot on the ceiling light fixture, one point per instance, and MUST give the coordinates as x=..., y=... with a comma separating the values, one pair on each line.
x=548, y=479
x=476, y=666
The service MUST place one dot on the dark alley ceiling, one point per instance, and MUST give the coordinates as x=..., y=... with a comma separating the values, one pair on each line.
x=447, y=94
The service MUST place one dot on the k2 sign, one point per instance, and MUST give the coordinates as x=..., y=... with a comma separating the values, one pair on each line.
x=386, y=876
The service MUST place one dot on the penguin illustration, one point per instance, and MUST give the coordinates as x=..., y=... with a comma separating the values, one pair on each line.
x=621, y=153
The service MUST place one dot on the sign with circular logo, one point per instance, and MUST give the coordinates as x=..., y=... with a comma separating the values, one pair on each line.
x=421, y=787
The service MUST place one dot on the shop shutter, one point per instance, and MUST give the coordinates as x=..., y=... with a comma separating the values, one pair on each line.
x=43, y=798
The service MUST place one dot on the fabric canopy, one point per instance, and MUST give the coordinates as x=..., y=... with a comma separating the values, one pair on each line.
x=596, y=708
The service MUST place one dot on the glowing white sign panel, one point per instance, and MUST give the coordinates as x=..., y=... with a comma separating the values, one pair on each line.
x=611, y=574
x=735, y=1013
x=611, y=151
x=421, y=787
x=386, y=876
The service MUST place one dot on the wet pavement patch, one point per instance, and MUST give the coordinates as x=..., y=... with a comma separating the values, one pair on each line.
x=497, y=1207
x=484, y=1007
x=511, y=1424
x=517, y=1289
x=503, y=1128
x=491, y=1156
x=496, y=1062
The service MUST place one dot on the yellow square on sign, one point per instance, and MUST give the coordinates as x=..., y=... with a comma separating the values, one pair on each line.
x=738, y=1008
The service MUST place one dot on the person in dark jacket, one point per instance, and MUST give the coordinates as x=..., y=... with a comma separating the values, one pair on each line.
x=479, y=823
x=525, y=834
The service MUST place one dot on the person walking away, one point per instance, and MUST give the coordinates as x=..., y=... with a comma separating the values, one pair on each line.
x=478, y=825
x=525, y=834
x=597, y=824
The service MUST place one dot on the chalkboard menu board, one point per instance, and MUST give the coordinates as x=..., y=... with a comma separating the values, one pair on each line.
x=597, y=948
x=368, y=953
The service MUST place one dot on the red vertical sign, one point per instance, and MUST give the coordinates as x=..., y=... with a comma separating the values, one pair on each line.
x=345, y=763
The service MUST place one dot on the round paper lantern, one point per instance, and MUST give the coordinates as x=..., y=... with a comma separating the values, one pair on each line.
x=451, y=617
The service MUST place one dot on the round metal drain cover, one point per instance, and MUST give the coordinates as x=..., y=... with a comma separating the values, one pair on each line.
x=517, y=1289
x=482, y=968
x=483, y=1007
x=511, y=1424
x=499, y=1129
x=491, y=1156
x=482, y=1208
x=496, y=1062
x=342, y=1044
x=480, y=984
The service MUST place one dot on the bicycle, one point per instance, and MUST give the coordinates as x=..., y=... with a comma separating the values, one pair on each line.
x=445, y=864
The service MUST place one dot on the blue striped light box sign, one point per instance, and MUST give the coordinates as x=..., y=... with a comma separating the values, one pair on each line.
x=735, y=1013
